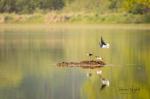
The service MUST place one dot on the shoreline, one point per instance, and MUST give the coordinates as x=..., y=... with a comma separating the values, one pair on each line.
x=75, y=26
x=74, y=18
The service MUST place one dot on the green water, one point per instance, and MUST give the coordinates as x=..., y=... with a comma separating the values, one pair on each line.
x=28, y=59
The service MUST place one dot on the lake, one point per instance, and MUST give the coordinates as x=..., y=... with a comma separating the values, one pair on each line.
x=29, y=54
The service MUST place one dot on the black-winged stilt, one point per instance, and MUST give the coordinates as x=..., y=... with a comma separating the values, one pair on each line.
x=103, y=44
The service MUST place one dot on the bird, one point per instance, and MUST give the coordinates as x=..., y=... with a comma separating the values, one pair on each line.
x=103, y=44
x=99, y=58
x=90, y=55
x=105, y=83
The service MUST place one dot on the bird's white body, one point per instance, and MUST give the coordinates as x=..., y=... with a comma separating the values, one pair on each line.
x=106, y=46
x=99, y=58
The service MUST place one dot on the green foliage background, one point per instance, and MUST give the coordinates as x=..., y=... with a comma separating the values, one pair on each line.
x=75, y=11
x=30, y=6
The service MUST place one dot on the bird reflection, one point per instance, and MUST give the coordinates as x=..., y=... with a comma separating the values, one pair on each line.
x=105, y=83
x=99, y=72
x=89, y=74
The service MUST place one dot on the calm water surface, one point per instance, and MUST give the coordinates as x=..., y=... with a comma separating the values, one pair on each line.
x=28, y=59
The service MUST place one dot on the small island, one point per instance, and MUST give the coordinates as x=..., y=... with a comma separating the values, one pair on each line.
x=84, y=64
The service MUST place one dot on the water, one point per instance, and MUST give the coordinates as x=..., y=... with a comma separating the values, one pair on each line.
x=28, y=58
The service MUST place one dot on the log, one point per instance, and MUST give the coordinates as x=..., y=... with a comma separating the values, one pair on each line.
x=84, y=64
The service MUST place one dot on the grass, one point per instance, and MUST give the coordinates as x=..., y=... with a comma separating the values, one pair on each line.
x=88, y=18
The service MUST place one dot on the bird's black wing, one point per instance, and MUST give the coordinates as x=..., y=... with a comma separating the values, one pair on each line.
x=102, y=41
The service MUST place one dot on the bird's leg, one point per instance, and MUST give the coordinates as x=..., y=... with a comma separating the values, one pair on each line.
x=90, y=58
x=90, y=64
